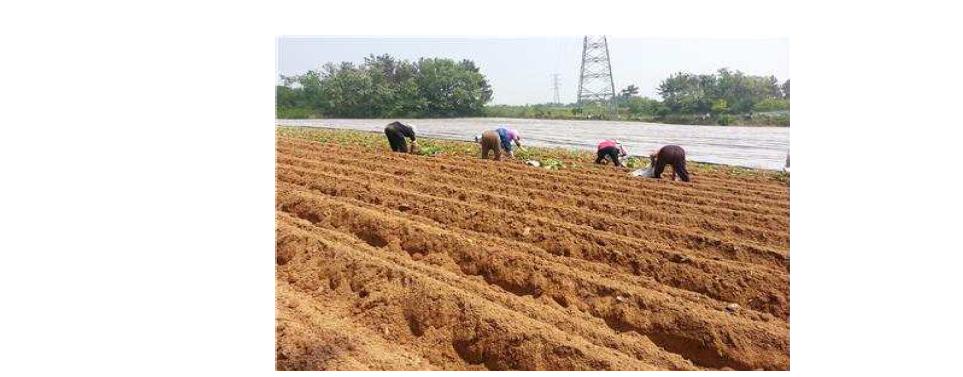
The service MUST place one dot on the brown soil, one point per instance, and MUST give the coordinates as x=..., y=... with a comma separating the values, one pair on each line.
x=399, y=262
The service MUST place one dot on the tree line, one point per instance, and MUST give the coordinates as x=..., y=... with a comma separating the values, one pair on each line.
x=383, y=86
x=726, y=91
x=724, y=97
x=386, y=87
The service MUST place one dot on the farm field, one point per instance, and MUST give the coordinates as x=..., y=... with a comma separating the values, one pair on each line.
x=753, y=147
x=390, y=261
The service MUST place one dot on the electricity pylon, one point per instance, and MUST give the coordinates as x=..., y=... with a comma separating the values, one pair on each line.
x=555, y=99
x=595, y=82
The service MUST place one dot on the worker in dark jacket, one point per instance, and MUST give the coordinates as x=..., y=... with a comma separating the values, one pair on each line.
x=396, y=133
x=670, y=155
x=611, y=149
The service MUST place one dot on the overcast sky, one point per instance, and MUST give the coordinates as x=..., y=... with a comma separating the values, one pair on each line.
x=520, y=70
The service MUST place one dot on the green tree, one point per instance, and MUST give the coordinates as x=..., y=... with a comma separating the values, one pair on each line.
x=687, y=93
x=720, y=106
x=643, y=106
x=629, y=92
x=451, y=89
x=383, y=86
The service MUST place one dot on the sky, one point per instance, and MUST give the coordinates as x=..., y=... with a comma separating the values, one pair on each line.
x=520, y=69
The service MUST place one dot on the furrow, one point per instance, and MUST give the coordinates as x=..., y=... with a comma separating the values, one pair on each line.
x=490, y=171
x=728, y=281
x=645, y=215
x=623, y=308
x=672, y=191
x=455, y=323
x=705, y=245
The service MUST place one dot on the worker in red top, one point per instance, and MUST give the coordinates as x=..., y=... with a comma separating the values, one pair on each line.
x=611, y=149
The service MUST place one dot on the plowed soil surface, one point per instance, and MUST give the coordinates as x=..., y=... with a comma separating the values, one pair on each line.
x=395, y=262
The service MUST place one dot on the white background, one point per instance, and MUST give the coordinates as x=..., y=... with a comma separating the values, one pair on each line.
x=138, y=175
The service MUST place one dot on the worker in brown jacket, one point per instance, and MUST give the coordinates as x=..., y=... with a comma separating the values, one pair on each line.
x=498, y=140
x=670, y=155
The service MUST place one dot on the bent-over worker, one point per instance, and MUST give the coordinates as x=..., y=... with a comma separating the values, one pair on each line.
x=670, y=155
x=396, y=133
x=611, y=149
x=498, y=140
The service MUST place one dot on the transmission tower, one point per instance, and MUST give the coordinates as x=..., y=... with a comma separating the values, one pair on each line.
x=555, y=99
x=595, y=83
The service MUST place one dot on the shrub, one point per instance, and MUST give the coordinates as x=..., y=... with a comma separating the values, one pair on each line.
x=725, y=119
x=294, y=113
x=552, y=164
x=426, y=148
x=635, y=163
x=720, y=106
x=771, y=104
